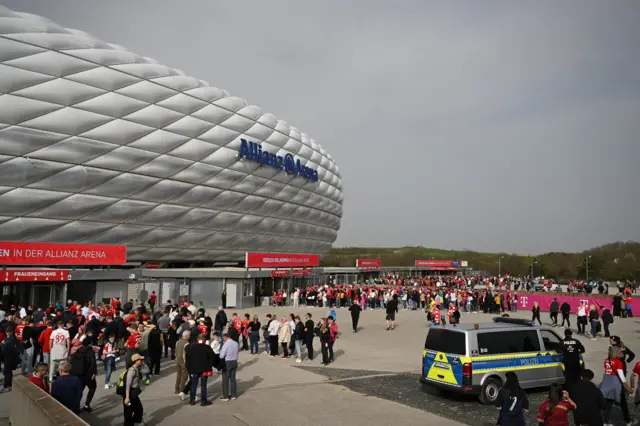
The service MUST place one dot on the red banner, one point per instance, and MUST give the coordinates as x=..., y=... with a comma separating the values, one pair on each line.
x=437, y=263
x=368, y=263
x=525, y=302
x=29, y=275
x=280, y=273
x=152, y=265
x=280, y=260
x=302, y=272
x=17, y=253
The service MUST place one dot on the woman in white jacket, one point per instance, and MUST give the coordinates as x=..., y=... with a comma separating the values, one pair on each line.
x=284, y=336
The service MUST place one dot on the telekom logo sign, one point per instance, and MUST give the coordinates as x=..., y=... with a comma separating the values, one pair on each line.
x=545, y=300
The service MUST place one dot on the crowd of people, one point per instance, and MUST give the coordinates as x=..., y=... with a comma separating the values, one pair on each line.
x=590, y=404
x=60, y=347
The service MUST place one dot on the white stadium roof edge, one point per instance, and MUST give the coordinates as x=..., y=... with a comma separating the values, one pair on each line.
x=101, y=145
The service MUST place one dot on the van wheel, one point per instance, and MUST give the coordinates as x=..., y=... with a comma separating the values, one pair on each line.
x=490, y=390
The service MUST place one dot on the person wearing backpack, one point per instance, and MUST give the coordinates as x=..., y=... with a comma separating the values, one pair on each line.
x=129, y=389
x=83, y=365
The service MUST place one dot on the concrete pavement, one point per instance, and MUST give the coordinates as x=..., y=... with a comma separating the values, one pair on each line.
x=374, y=379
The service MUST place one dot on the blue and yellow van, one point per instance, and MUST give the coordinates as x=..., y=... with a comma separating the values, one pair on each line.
x=473, y=358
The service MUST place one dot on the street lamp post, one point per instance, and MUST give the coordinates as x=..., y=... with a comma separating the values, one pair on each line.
x=586, y=261
x=532, y=269
x=500, y=265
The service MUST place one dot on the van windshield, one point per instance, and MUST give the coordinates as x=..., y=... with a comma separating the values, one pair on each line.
x=444, y=340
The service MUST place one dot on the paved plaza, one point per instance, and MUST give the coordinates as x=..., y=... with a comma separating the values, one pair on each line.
x=374, y=380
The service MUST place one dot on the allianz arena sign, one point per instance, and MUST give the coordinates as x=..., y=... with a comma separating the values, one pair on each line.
x=253, y=151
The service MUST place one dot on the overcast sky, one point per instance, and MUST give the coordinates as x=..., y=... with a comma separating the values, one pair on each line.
x=493, y=125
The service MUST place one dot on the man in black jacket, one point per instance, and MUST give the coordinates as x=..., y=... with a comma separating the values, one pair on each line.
x=565, y=309
x=571, y=350
x=88, y=370
x=199, y=364
x=308, y=330
x=553, y=312
x=221, y=320
x=355, y=310
x=154, y=348
x=589, y=400
x=11, y=349
x=392, y=310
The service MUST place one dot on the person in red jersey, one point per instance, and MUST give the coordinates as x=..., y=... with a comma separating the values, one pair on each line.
x=19, y=329
x=45, y=343
x=614, y=385
x=38, y=379
x=454, y=314
x=554, y=411
x=115, y=304
x=203, y=329
x=153, y=299
x=133, y=343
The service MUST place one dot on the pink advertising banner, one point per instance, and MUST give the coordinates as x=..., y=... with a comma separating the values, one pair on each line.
x=525, y=301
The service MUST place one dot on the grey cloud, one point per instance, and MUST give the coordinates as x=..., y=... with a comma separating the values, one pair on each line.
x=491, y=125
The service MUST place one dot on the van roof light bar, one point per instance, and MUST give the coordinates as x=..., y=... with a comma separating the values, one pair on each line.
x=517, y=321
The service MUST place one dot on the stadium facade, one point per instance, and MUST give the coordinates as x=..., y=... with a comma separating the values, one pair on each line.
x=99, y=145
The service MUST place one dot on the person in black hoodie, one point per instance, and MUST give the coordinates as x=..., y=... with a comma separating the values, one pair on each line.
x=10, y=348
x=88, y=370
x=589, y=400
x=565, y=309
x=553, y=312
x=221, y=320
x=355, y=310
x=199, y=357
x=308, y=330
x=607, y=320
x=154, y=347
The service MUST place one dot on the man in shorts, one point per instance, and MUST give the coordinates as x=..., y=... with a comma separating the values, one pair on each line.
x=59, y=344
x=392, y=310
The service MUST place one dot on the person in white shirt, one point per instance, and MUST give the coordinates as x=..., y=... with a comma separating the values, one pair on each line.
x=59, y=342
x=109, y=355
x=582, y=317
x=192, y=309
x=274, y=327
x=296, y=298
x=292, y=327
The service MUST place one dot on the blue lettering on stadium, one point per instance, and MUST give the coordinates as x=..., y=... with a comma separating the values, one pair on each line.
x=252, y=151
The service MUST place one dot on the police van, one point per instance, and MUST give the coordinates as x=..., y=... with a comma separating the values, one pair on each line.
x=473, y=358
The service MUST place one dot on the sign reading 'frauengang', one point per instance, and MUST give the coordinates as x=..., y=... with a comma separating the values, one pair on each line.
x=252, y=151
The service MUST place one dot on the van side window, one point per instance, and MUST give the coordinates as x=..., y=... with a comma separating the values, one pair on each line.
x=551, y=341
x=505, y=342
x=447, y=341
